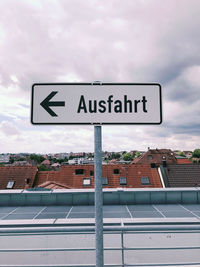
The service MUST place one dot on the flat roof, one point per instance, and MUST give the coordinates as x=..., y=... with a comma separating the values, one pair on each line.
x=142, y=227
x=123, y=213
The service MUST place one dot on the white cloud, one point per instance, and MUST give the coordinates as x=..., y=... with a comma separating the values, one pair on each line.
x=14, y=102
x=8, y=129
x=111, y=41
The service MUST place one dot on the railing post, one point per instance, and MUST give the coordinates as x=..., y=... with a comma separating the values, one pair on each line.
x=122, y=242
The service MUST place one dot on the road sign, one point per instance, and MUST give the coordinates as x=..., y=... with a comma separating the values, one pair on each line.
x=87, y=103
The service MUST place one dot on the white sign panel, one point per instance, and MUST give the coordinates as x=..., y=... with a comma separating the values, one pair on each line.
x=107, y=103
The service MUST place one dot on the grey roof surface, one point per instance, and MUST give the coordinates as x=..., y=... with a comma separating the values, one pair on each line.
x=109, y=211
x=157, y=227
x=183, y=175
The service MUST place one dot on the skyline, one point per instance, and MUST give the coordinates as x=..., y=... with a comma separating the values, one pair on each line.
x=84, y=41
x=103, y=151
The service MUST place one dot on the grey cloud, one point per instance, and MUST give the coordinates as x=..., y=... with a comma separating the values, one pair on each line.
x=82, y=37
x=185, y=88
x=190, y=129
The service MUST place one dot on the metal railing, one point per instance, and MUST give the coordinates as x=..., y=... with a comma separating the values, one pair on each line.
x=120, y=254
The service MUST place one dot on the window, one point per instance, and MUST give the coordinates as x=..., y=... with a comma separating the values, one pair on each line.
x=116, y=171
x=104, y=181
x=27, y=180
x=10, y=184
x=145, y=180
x=86, y=181
x=91, y=173
x=150, y=157
x=79, y=171
x=153, y=165
x=123, y=181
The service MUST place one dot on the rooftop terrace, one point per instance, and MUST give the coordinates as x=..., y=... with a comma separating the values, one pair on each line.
x=142, y=227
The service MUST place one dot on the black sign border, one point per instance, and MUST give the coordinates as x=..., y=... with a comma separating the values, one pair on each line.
x=87, y=123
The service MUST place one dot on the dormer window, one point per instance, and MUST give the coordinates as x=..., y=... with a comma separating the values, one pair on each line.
x=150, y=157
x=27, y=180
x=123, y=181
x=104, y=181
x=10, y=184
x=116, y=171
x=79, y=171
x=86, y=181
x=145, y=181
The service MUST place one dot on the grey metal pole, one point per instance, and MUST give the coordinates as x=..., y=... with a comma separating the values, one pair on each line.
x=98, y=196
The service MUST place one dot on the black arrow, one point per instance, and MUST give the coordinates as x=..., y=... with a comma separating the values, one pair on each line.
x=46, y=104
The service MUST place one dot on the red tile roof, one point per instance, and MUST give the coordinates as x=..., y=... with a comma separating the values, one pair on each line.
x=53, y=185
x=133, y=173
x=183, y=161
x=72, y=176
x=156, y=156
x=44, y=176
x=18, y=174
x=46, y=162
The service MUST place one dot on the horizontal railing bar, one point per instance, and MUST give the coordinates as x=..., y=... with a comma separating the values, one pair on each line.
x=160, y=264
x=93, y=249
x=65, y=265
x=109, y=265
x=145, y=228
x=105, y=233
x=85, y=265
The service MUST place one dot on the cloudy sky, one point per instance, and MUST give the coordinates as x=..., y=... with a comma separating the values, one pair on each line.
x=143, y=41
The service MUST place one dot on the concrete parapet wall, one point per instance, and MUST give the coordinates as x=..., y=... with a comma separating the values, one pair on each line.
x=118, y=196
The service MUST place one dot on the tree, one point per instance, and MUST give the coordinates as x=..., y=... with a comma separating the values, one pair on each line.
x=180, y=153
x=116, y=155
x=21, y=159
x=62, y=160
x=11, y=160
x=196, y=153
x=37, y=158
x=127, y=156
x=137, y=154
x=43, y=168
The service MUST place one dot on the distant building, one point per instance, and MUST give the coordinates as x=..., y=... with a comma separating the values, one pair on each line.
x=74, y=161
x=60, y=155
x=56, y=166
x=183, y=160
x=113, y=176
x=188, y=154
x=19, y=177
x=46, y=162
x=21, y=163
x=181, y=175
x=78, y=155
x=4, y=158
x=156, y=157
x=77, y=161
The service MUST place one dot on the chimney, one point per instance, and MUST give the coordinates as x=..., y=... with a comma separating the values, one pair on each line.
x=164, y=163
